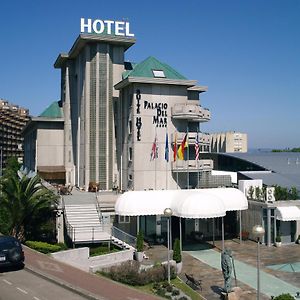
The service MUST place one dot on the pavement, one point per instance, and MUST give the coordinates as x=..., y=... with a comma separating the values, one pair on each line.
x=201, y=260
x=204, y=262
x=88, y=285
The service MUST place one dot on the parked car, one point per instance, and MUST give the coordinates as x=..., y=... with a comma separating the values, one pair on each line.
x=11, y=252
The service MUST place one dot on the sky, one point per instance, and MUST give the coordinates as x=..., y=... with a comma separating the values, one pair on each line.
x=247, y=52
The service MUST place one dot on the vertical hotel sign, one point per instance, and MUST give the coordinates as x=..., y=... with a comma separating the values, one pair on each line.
x=119, y=28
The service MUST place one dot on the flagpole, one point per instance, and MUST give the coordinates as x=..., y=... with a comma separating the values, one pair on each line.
x=197, y=161
x=188, y=157
x=155, y=158
x=175, y=158
x=167, y=156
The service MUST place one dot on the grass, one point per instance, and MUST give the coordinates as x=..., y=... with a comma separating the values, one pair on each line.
x=100, y=250
x=178, y=283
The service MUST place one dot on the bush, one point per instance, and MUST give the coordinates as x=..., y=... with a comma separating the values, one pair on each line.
x=129, y=273
x=284, y=297
x=45, y=247
x=175, y=292
x=177, y=251
x=278, y=239
x=140, y=242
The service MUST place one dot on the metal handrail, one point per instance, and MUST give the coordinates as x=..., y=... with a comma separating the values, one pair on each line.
x=123, y=236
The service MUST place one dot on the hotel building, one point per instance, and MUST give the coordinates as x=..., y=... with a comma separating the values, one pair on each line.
x=115, y=112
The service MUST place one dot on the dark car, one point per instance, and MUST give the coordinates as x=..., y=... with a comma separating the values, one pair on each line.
x=11, y=252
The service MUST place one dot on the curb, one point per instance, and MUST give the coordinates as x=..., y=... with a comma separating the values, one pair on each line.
x=61, y=283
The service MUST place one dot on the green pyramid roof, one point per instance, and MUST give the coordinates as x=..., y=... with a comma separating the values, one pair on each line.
x=52, y=111
x=146, y=67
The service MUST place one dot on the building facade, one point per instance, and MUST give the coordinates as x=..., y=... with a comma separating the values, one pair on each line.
x=44, y=144
x=88, y=74
x=229, y=142
x=12, y=121
x=157, y=111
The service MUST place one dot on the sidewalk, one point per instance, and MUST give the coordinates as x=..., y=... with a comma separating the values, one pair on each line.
x=206, y=265
x=85, y=284
x=270, y=285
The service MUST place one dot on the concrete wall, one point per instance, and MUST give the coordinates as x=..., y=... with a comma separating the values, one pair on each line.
x=50, y=147
x=79, y=258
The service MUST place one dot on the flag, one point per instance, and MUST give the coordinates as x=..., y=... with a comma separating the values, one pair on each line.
x=197, y=147
x=184, y=144
x=154, y=150
x=167, y=148
x=175, y=147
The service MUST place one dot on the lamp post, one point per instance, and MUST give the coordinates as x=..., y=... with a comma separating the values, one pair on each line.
x=258, y=232
x=168, y=213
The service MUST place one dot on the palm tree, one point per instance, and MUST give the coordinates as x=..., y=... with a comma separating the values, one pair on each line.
x=23, y=196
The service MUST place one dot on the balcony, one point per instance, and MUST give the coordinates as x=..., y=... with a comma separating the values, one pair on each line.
x=192, y=165
x=204, y=138
x=191, y=112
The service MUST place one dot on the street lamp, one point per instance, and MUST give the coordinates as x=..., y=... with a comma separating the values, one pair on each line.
x=168, y=213
x=258, y=232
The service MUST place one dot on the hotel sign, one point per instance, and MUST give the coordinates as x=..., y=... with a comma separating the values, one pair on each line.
x=120, y=28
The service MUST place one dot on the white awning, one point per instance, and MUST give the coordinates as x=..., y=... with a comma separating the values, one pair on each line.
x=142, y=203
x=288, y=213
x=233, y=199
x=200, y=206
x=196, y=203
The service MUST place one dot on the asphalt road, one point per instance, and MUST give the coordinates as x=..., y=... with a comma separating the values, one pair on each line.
x=24, y=285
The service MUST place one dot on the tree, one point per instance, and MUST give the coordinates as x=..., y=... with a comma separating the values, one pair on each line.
x=177, y=251
x=23, y=197
x=140, y=242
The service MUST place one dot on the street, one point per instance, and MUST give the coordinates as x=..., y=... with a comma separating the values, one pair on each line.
x=23, y=285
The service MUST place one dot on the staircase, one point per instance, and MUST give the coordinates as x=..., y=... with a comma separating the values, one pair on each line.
x=83, y=224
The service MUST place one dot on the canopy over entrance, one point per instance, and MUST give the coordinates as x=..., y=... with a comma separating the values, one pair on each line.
x=196, y=203
x=288, y=213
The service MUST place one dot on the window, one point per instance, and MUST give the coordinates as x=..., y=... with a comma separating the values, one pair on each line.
x=124, y=219
x=159, y=73
x=130, y=154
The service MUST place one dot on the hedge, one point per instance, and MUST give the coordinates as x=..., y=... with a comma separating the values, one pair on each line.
x=45, y=247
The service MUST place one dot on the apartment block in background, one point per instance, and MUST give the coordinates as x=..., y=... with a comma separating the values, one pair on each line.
x=12, y=121
x=229, y=142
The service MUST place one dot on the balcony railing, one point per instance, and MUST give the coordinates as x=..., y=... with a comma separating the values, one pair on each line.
x=204, y=138
x=192, y=165
x=192, y=112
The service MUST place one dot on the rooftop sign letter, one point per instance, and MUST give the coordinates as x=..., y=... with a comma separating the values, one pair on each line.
x=119, y=28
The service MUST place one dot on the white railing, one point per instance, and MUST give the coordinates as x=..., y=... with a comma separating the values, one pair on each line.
x=190, y=111
x=192, y=165
x=204, y=138
x=123, y=236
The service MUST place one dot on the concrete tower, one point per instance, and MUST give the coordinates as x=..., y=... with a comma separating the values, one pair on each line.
x=88, y=74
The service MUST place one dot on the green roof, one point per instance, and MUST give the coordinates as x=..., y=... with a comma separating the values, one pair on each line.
x=146, y=67
x=52, y=111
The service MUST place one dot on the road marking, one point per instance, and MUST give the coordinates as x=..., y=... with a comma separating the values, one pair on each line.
x=6, y=281
x=23, y=291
